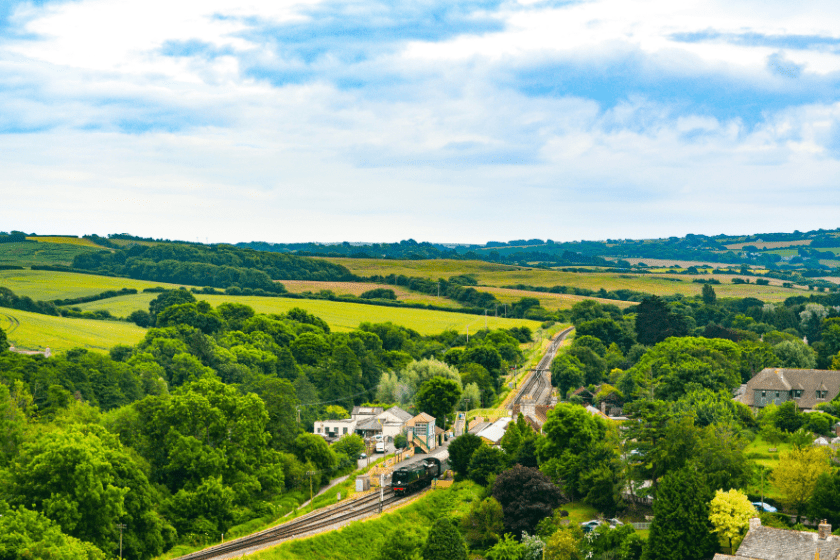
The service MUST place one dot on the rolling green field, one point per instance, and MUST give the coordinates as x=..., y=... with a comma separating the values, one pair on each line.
x=78, y=241
x=493, y=275
x=27, y=254
x=358, y=288
x=338, y=315
x=552, y=302
x=48, y=285
x=32, y=331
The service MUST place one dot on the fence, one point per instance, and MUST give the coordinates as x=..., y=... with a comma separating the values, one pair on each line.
x=641, y=526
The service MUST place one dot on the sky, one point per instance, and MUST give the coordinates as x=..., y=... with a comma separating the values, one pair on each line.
x=437, y=120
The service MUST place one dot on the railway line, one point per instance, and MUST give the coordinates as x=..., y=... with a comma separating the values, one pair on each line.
x=311, y=523
x=538, y=386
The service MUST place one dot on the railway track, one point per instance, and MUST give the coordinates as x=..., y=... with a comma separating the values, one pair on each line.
x=305, y=525
x=537, y=385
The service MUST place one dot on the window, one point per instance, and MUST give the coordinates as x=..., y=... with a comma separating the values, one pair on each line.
x=763, y=394
x=319, y=430
x=345, y=430
x=777, y=394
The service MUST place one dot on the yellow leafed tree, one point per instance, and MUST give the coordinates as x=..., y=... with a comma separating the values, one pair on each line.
x=797, y=474
x=730, y=513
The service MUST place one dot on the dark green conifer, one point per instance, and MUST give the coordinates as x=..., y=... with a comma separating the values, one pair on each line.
x=681, y=526
x=444, y=542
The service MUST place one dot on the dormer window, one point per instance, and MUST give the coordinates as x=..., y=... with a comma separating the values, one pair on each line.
x=796, y=393
x=822, y=394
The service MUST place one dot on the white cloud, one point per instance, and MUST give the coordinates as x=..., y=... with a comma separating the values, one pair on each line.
x=436, y=141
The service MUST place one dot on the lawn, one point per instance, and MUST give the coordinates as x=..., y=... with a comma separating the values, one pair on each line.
x=48, y=285
x=338, y=315
x=32, y=331
x=28, y=254
x=759, y=451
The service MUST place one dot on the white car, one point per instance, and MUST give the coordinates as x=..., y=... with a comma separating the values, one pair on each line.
x=380, y=447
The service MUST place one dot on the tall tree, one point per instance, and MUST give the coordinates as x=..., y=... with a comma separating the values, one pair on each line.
x=655, y=323
x=461, y=451
x=527, y=497
x=709, y=295
x=681, y=527
x=444, y=542
x=438, y=397
x=797, y=473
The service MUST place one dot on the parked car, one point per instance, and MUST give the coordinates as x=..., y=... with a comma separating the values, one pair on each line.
x=763, y=506
x=363, y=456
x=380, y=447
x=614, y=522
x=589, y=526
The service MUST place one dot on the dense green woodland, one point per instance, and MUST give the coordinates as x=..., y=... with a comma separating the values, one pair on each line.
x=206, y=424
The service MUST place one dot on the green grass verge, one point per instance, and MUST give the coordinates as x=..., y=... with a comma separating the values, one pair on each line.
x=360, y=540
x=49, y=285
x=32, y=331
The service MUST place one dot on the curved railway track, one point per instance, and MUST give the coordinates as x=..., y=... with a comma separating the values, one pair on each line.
x=537, y=385
x=304, y=525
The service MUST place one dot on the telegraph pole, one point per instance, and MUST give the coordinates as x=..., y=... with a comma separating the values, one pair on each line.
x=121, y=526
x=310, y=474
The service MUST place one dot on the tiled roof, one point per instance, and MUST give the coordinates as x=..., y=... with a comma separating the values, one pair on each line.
x=422, y=417
x=399, y=413
x=767, y=543
x=809, y=381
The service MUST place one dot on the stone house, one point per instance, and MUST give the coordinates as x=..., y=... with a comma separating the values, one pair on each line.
x=806, y=387
x=767, y=543
x=421, y=432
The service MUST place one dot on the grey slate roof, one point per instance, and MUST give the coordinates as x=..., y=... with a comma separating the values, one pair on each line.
x=806, y=380
x=767, y=543
x=366, y=411
x=400, y=413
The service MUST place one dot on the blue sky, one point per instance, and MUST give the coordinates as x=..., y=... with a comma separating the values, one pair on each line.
x=226, y=120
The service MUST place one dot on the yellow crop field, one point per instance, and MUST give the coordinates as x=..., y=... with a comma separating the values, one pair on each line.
x=32, y=331
x=48, y=285
x=358, y=288
x=80, y=241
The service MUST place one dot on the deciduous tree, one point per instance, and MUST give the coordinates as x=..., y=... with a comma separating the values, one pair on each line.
x=444, y=542
x=797, y=473
x=730, y=513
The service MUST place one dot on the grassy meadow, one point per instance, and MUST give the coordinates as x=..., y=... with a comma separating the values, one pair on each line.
x=32, y=331
x=49, y=285
x=28, y=254
x=66, y=240
x=339, y=316
x=358, y=288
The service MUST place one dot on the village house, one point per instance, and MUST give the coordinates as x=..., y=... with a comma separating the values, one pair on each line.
x=422, y=433
x=767, y=543
x=806, y=387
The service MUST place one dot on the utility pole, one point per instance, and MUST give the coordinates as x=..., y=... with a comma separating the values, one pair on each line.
x=381, y=490
x=468, y=334
x=485, y=319
x=310, y=474
x=121, y=526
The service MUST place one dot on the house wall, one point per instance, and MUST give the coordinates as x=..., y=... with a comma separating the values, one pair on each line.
x=769, y=397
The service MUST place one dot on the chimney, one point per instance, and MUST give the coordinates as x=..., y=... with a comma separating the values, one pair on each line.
x=824, y=530
x=755, y=523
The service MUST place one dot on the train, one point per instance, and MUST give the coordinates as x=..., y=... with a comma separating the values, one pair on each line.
x=412, y=477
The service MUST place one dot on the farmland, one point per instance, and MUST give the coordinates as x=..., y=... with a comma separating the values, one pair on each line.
x=339, y=316
x=493, y=275
x=77, y=241
x=49, y=285
x=32, y=331
x=28, y=254
x=358, y=288
x=552, y=302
